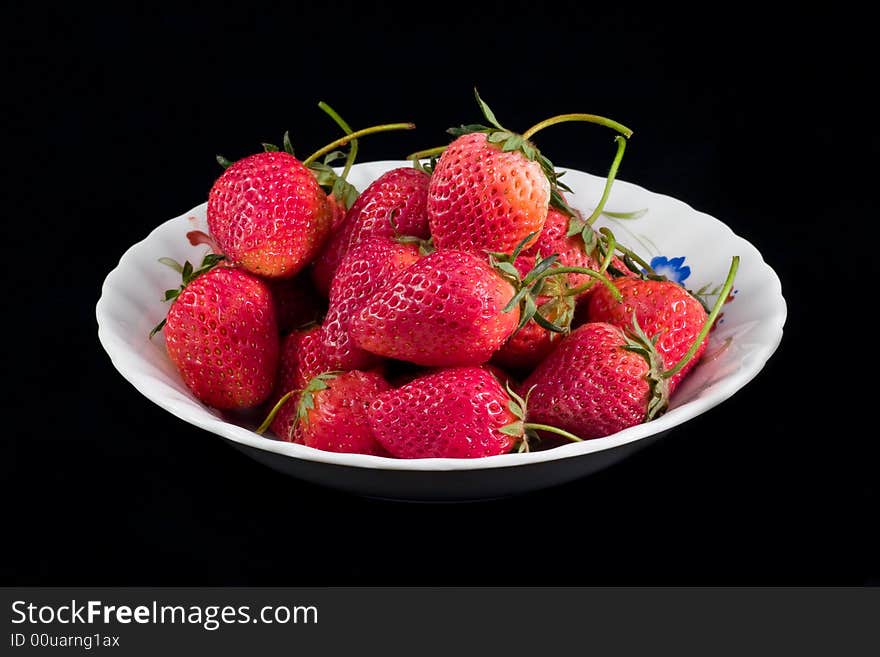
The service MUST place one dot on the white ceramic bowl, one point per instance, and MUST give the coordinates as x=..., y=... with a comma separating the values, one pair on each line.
x=746, y=336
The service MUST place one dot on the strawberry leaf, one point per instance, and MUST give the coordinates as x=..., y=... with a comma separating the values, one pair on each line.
x=514, y=429
x=187, y=273
x=514, y=143
x=635, y=214
x=487, y=112
x=158, y=327
x=499, y=136
x=270, y=148
x=516, y=409
x=468, y=129
x=170, y=262
x=223, y=162
x=508, y=268
x=288, y=146
x=540, y=267
x=545, y=323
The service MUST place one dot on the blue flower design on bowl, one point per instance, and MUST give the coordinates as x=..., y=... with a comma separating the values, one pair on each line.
x=673, y=269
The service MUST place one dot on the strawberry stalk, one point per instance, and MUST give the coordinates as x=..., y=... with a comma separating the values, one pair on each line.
x=556, y=430
x=710, y=320
x=610, y=245
x=306, y=400
x=428, y=152
x=352, y=152
x=588, y=118
x=612, y=174
x=523, y=430
x=272, y=413
x=342, y=141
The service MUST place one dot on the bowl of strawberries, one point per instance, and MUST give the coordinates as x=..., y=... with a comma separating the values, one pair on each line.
x=468, y=323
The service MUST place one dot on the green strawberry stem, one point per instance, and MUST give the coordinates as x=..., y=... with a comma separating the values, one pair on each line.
x=352, y=153
x=635, y=257
x=428, y=152
x=551, y=429
x=271, y=416
x=612, y=174
x=588, y=118
x=553, y=271
x=342, y=141
x=707, y=326
x=606, y=262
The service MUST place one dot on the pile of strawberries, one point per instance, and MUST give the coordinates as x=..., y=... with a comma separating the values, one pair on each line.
x=456, y=308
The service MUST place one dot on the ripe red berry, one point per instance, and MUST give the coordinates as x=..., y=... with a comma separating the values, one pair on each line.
x=268, y=214
x=451, y=413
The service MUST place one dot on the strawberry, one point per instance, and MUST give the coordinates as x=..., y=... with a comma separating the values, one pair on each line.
x=662, y=308
x=482, y=198
x=492, y=188
x=451, y=413
x=602, y=379
x=594, y=383
x=530, y=344
x=222, y=335
x=332, y=412
x=569, y=249
x=444, y=310
x=367, y=267
x=337, y=212
x=302, y=357
x=393, y=203
x=268, y=214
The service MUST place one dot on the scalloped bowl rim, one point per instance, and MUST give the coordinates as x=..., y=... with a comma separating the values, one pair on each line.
x=180, y=406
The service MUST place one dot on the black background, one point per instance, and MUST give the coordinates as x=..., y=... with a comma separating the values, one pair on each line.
x=113, y=118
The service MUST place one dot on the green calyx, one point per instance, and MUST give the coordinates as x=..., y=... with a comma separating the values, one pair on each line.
x=658, y=384
x=526, y=432
x=509, y=141
x=305, y=403
x=307, y=396
x=188, y=274
x=333, y=183
x=535, y=283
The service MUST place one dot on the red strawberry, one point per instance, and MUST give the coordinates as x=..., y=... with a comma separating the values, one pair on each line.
x=482, y=198
x=444, y=310
x=319, y=349
x=268, y=214
x=592, y=384
x=530, y=345
x=337, y=212
x=221, y=333
x=451, y=413
x=660, y=307
x=367, y=267
x=601, y=379
x=302, y=357
x=394, y=201
x=491, y=187
x=332, y=412
x=554, y=239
